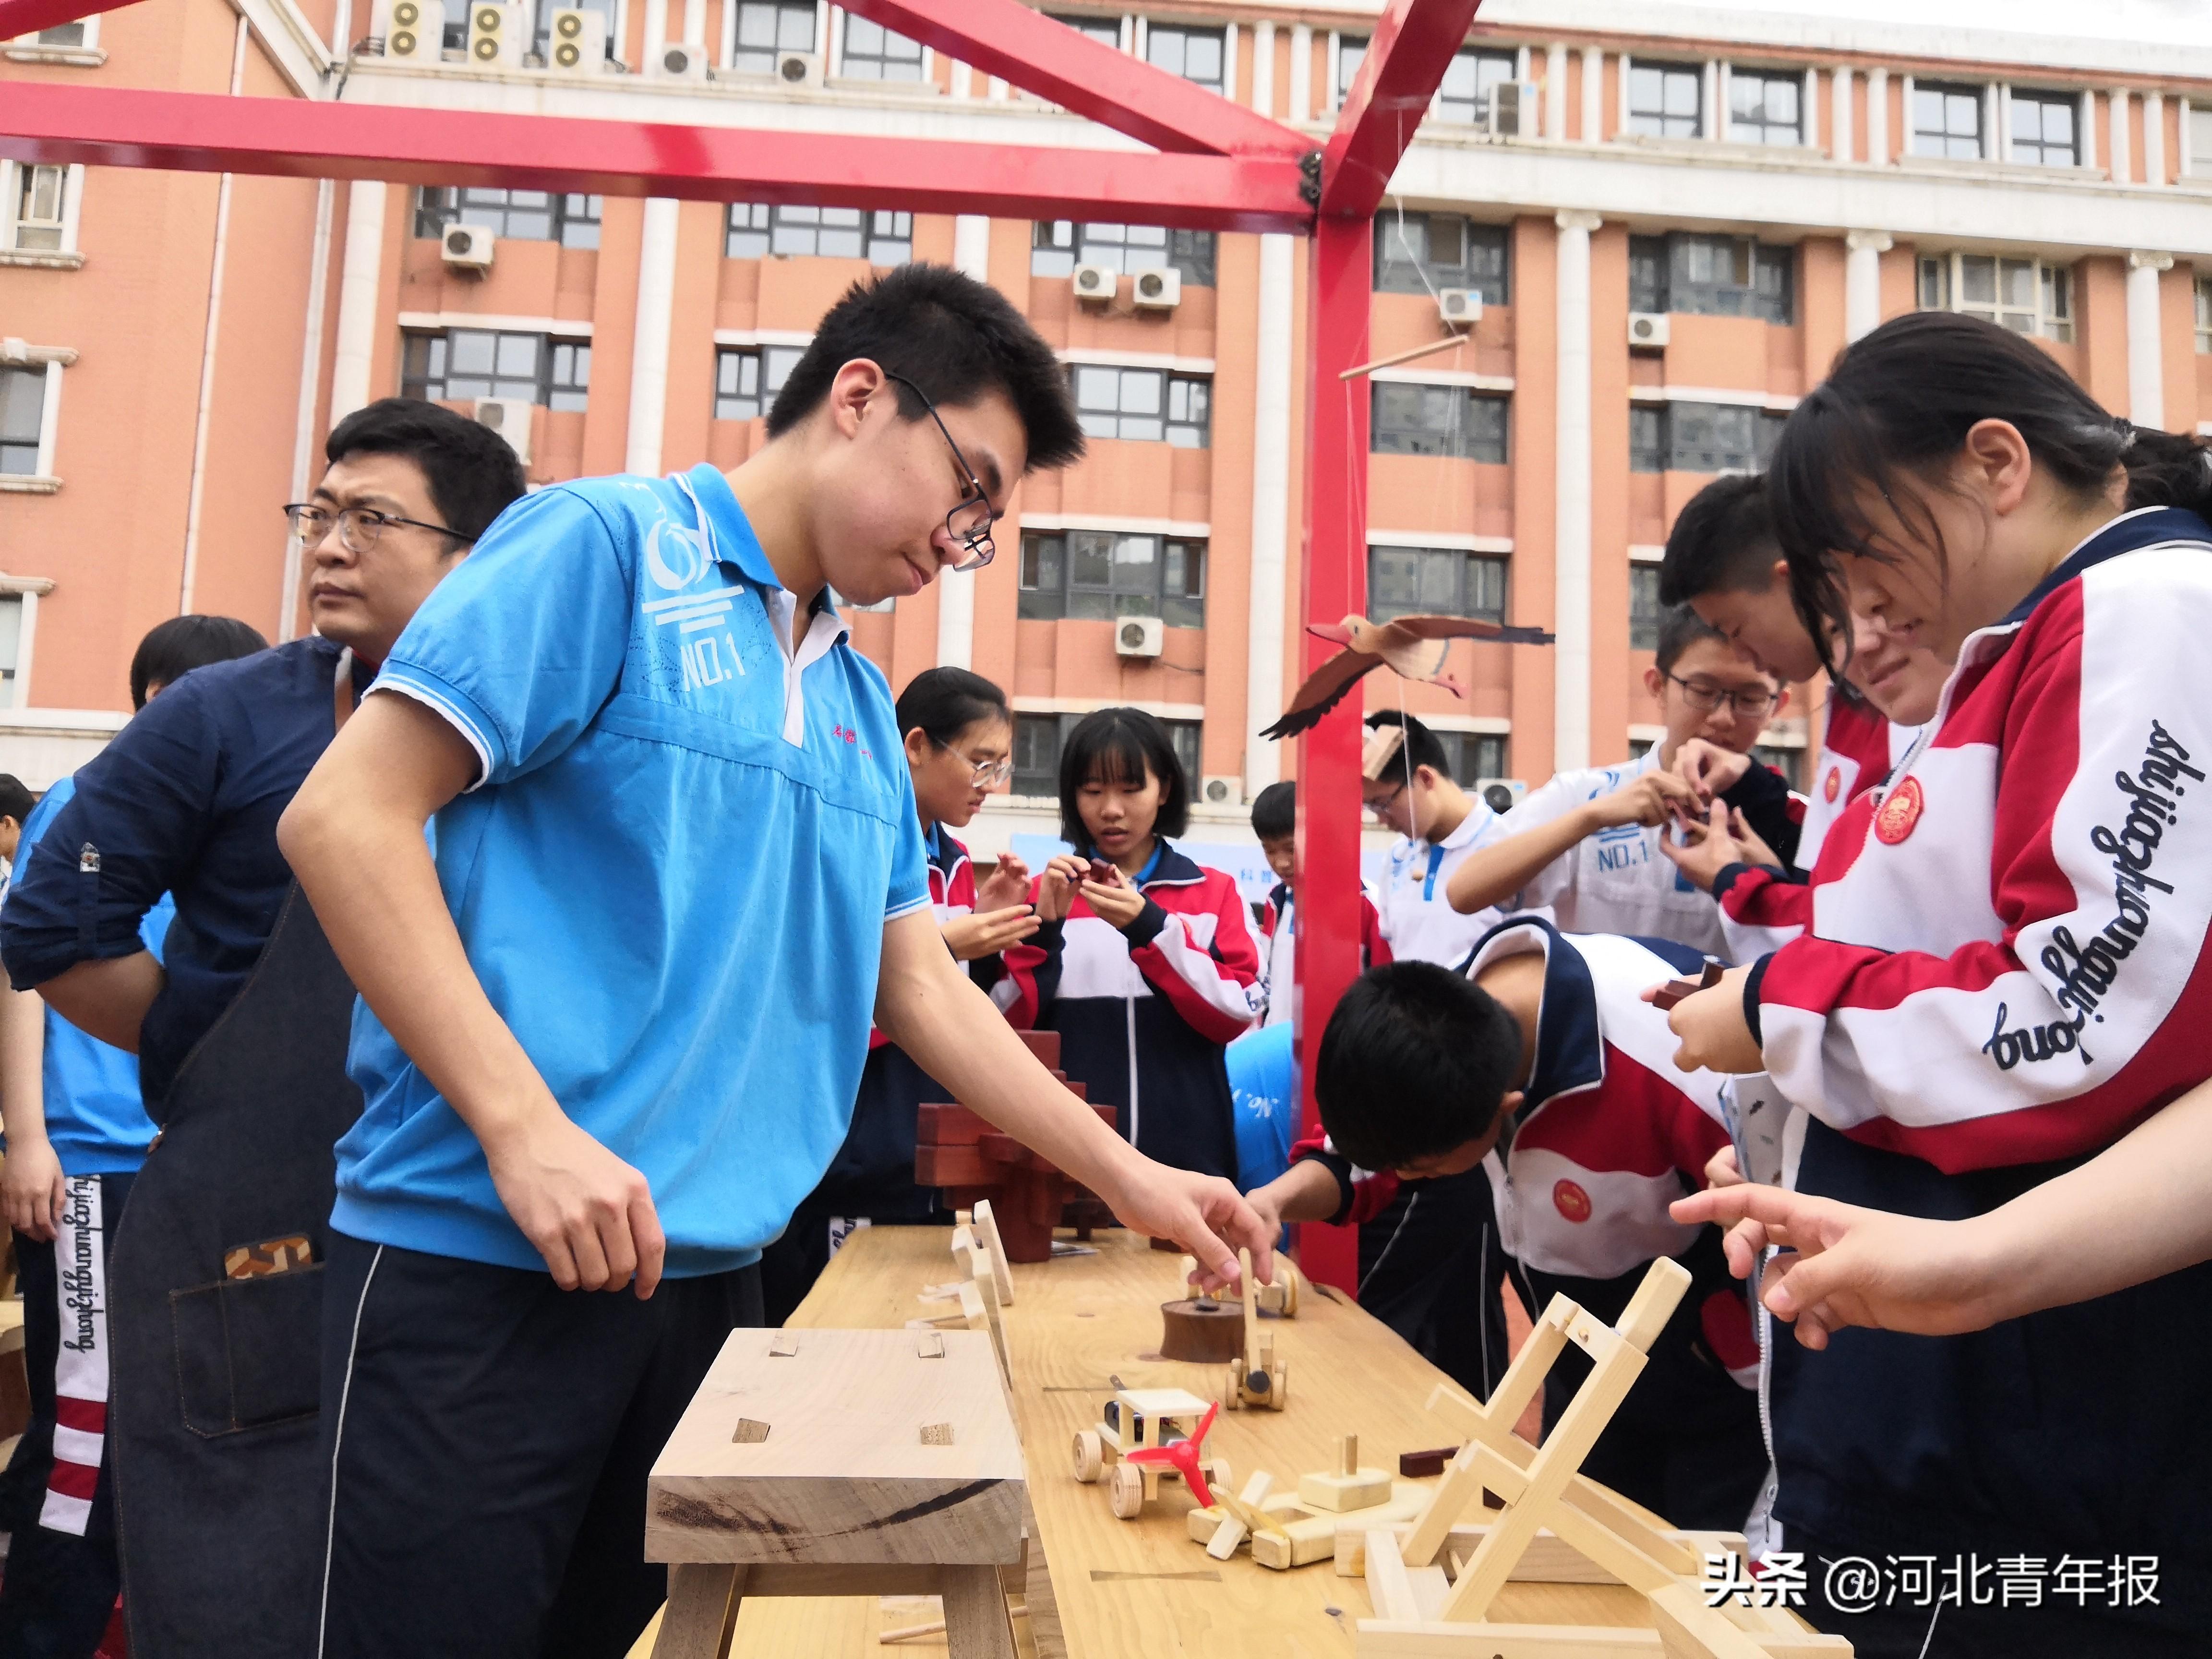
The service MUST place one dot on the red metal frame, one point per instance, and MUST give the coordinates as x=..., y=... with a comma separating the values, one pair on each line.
x=1214, y=165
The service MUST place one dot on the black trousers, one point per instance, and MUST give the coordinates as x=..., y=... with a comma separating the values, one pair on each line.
x=490, y=1436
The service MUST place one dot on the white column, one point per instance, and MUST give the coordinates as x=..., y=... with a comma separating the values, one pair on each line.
x=1996, y=118
x=695, y=25
x=1572, y=550
x=1555, y=92
x=656, y=29
x=964, y=80
x=1273, y=415
x=357, y=285
x=2146, y=364
x=1715, y=124
x=656, y=315
x=1863, y=281
x=50, y=418
x=2085, y=127
x=1263, y=66
x=26, y=640
x=1301, y=72
x=955, y=593
x=1229, y=61
x=1593, y=95
x=1877, y=121
x=1840, y=96
x=2123, y=163
x=2153, y=138
x=1623, y=64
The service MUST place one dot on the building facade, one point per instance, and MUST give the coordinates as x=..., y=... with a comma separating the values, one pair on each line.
x=1635, y=233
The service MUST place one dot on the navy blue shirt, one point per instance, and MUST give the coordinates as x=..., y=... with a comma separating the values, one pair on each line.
x=184, y=800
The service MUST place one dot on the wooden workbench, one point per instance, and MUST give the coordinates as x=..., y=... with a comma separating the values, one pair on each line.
x=1142, y=1590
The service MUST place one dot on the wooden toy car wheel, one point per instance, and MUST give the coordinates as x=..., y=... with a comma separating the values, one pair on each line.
x=1232, y=1395
x=1124, y=1490
x=1089, y=1455
x=1217, y=1475
x=1290, y=1277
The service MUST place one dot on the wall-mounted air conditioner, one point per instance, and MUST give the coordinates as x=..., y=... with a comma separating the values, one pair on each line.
x=1140, y=636
x=1095, y=282
x=1647, y=329
x=467, y=247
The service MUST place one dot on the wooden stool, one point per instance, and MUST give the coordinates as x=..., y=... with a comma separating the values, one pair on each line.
x=841, y=1463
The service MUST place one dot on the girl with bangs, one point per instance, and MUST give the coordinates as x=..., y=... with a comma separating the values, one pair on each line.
x=1144, y=962
x=2014, y=975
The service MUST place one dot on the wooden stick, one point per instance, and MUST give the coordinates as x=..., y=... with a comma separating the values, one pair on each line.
x=935, y=1627
x=1405, y=356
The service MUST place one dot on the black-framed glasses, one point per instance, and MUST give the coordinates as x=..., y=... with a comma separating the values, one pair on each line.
x=358, y=527
x=968, y=523
x=1381, y=808
x=984, y=775
x=1706, y=697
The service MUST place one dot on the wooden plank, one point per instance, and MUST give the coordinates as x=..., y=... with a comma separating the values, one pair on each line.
x=1387, y=1639
x=975, y=1622
x=843, y=1476
x=1690, y=1628
x=986, y=1231
x=1388, y=1586
x=1549, y=1558
x=703, y=1606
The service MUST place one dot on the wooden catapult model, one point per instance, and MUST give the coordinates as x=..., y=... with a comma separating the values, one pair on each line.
x=1433, y=1583
x=1261, y=1377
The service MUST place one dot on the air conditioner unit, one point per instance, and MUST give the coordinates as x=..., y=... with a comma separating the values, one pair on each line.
x=1095, y=282
x=1461, y=308
x=577, y=42
x=467, y=247
x=510, y=417
x=679, y=61
x=1647, y=328
x=1156, y=287
x=1221, y=791
x=1513, y=107
x=1140, y=636
x=488, y=34
x=409, y=35
x=798, y=69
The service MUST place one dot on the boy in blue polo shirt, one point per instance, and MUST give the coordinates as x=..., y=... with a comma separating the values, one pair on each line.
x=610, y=1037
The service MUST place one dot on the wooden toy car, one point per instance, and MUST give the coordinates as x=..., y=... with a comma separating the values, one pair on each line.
x=1148, y=1435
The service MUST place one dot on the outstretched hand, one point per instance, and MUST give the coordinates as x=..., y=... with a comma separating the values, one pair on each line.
x=1203, y=1213
x=1714, y=1034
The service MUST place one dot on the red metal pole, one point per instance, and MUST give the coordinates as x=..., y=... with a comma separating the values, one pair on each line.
x=1335, y=584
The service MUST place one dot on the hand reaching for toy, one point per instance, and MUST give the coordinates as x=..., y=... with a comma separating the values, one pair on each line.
x=1007, y=886
x=985, y=933
x=1645, y=801
x=1119, y=902
x=1714, y=1034
x=1709, y=768
x=1063, y=873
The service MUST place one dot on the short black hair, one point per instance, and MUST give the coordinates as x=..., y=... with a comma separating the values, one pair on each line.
x=472, y=473
x=1680, y=628
x=956, y=338
x=945, y=701
x=1275, y=812
x=1723, y=542
x=1121, y=745
x=173, y=649
x=16, y=798
x=1415, y=1062
x=1423, y=747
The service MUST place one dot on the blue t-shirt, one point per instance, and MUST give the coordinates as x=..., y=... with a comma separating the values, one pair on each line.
x=96, y=1117
x=1263, y=1092
x=671, y=878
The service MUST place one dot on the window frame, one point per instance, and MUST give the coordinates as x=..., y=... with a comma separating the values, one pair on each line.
x=1670, y=285
x=2201, y=287
x=1194, y=254
x=769, y=358
x=47, y=364
x=1444, y=107
x=1673, y=450
x=1485, y=263
x=874, y=227
x=1093, y=25
x=1645, y=610
x=733, y=21
x=1476, y=577
x=881, y=56
x=413, y=385
x=2042, y=98
x=1943, y=276
x=1766, y=79
x=1461, y=436
x=1973, y=93
x=1171, y=381
x=16, y=180
x=1218, y=34
x=1047, y=590
x=1669, y=70
x=562, y=209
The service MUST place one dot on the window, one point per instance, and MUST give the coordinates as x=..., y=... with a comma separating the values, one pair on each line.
x=1038, y=738
x=22, y=420
x=1686, y=437
x=1453, y=421
x=1712, y=276
x=747, y=379
x=1188, y=739
x=2204, y=313
x=2198, y=140
x=768, y=28
x=522, y=215
x=1472, y=757
x=1434, y=582
x=1465, y=93
x=1098, y=575
x=2025, y=295
x=755, y=230
x=1644, y=606
x=542, y=39
x=2043, y=129
x=463, y=364
x=1196, y=54
x=1106, y=31
x=1143, y=403
x=68, y=35
x=873, y=52
x=1416, y=252
x=1351, y=52
x=1946, y=120
x=11, y=649
x=1765, y=107
x=37, y=213
x=1057, y=246
x=1667, y=100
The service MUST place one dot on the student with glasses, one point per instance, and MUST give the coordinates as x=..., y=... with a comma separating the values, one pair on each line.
x=959, y=747
x=1587, y=843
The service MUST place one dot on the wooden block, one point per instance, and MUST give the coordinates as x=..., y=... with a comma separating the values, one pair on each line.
x=1691, y=1629
x=975, y=1622
x=937, y=1434
x=1387, y=1585
x=1226, y=1537
x=1420, y=1465
x=940, y=1123
x=703, y=1608
x=1430, y=1587
x=1549, y=1558
x=986, y=1229
x=954, y=1166
x=1341, y=1494
x=842, y=1479
x=1665, y=1283
x=1293, y=1537
x=749, y=1432
x=1382, y=1638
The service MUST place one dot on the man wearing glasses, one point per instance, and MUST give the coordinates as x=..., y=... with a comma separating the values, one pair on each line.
x=612, y=1028
x=1587, y=843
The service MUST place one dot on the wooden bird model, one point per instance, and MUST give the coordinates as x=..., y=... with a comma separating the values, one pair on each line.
x=1415, y=647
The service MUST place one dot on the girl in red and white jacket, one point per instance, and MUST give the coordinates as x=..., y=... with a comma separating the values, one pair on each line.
x=2012, y=971
x=1144, y=962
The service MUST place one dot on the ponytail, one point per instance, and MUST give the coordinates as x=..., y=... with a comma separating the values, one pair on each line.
x=945, y=701
x=1898, y=405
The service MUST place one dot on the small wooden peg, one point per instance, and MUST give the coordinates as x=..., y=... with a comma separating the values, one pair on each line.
x=750, y=1432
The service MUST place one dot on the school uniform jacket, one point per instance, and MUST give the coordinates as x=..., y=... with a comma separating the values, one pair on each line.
x=2006, y=973
x=1608, y=1134
x=1762, y=908
x=1279, y=949
x=1144, y=1015
x=1858, y=747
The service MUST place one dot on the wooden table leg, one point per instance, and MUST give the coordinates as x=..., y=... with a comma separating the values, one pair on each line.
x=702, y=1606
x=975, y=1622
